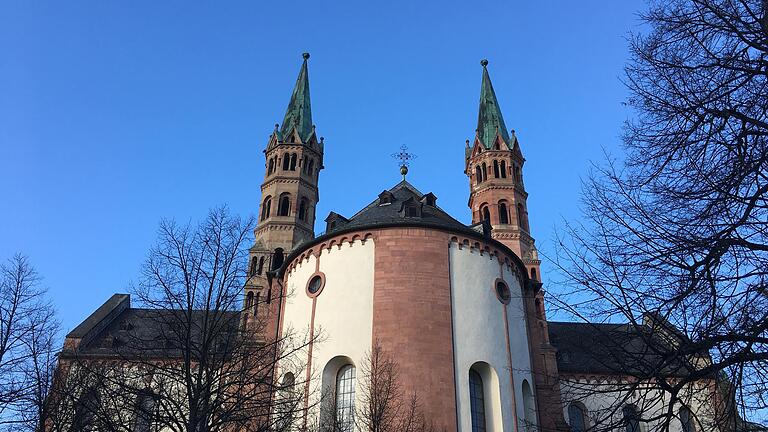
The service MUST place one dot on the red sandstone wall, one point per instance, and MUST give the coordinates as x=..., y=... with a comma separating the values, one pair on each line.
x=412, y=315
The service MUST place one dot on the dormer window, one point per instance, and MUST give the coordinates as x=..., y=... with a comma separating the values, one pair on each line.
x=385, y=198
x=334, y=221
x=411, y=208
x=429, y=199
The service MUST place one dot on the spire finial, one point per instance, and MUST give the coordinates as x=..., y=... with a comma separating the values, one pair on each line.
x=306, y=56
x=484, y=62
x=405, y=159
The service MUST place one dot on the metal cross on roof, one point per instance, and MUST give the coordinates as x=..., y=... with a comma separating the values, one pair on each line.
x=405, y=159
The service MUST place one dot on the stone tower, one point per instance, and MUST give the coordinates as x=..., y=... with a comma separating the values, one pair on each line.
x=494, y=165
x=293, y=159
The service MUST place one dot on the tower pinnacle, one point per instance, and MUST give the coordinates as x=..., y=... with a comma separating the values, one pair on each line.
x=298, y=116
x=490, y=122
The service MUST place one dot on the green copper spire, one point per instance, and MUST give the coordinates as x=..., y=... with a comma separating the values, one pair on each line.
x=489, y=119
x=299, y=113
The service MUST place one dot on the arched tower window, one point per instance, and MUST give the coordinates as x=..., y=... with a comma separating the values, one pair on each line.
x=303, y=209
x=631, y=419
x=286, y=161
x=496, y=169
x=686, y=420
x=293, y=162
x=478, y=174
x=277, y=258
x=485, y=172
x=311, y=166
x=577, y=417
x=284, y=206
x=503, y=169
x=503, y=213
x=271, y=166
x=521, y=217
x=254, y=266
x=529, y=407
x=477, y=401
x=345, y=398
x=485, y=214
x=261, y=265
x=266, y=207
x=249, y=300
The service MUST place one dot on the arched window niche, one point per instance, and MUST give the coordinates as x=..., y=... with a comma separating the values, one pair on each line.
x=529, y=408
x=339, y=382
x=484, y=398
x=284, y=206
x=577, y=416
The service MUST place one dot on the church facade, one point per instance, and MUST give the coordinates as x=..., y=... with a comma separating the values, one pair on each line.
x=461, y=306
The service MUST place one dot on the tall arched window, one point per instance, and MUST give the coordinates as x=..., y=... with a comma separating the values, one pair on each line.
x=478, y=174
x=277, y=258
x=303, y=209
x=477, y=401
x=485, y=172
x=577, y=417
x=311, y=166
x=266, y=207
x=485, y=213
x=503, y=169
x=249, y=300
x=521, y=217
x=503, y=213
x=496, y=169
x=271, y=166
x=284, y=207
x=528, y=406
x=631, y=419
x=286, y=161
x=293, y=162
x=261, y=265
x=254, y=266
x=686, y=420
x=345, y=398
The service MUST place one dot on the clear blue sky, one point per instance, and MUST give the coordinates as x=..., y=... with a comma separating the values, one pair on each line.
x=114, y=115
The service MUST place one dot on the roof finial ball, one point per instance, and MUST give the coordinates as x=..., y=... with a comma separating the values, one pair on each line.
x=305, y=55
x=484, y=62
x=403, y=171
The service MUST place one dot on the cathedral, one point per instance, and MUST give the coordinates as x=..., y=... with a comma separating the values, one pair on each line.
x=461, y=306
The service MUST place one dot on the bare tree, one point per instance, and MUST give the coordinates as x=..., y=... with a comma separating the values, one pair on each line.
x=675, y=241
x=386, y=406
x=193, y=359
x=28, y=335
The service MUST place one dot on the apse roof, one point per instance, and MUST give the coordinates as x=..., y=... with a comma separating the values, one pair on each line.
x=392, y=210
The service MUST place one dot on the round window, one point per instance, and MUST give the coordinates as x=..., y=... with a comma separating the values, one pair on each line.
x=503, y=293
x=315, y=284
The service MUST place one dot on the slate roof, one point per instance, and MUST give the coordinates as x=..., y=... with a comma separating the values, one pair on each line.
x=116, y=329
x=403, y=193
x=299, y=112
x=613, y=349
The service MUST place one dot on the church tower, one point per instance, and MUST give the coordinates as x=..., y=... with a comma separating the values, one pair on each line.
x=293, y=159
x=494, y=165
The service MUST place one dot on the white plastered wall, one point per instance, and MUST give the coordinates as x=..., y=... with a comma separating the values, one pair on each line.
x=479, y=335
x=344, y=308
